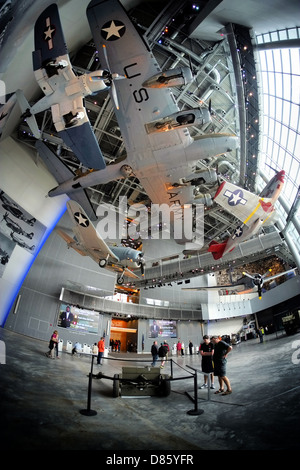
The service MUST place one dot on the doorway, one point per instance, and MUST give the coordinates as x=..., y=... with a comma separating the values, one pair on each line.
x=123, y=335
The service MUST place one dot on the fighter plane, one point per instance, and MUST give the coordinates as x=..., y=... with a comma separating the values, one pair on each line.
x=16, y=228
x=64, y=91
x=15, y=210
x=243, y=285
x=88, y=242
x=254, y=211
x=161, y=153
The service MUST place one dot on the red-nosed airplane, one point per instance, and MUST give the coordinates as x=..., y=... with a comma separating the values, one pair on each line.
x=254, y=211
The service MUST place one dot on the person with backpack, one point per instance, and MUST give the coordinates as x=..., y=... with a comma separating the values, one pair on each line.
x=162, y=352
x=167, y=348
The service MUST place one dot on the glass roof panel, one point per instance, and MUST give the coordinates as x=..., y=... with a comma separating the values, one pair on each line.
x=280, y=101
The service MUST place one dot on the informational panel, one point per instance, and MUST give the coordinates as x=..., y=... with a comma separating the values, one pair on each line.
x=162, y=329
x=17, y=227
x=77, y=319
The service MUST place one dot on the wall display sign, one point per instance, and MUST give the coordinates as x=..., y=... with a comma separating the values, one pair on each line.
x=79, y=320
x=6, y=249
x=18, y=226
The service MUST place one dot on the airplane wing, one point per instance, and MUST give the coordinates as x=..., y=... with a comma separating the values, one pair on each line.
x=71, y=242
x=122, y=270
x=243, y=204
x=158, y=159
x=87, y=236
x=124, y=51
x=82, y=141
x=129, y=55
x=61, y=173
x=51, y=65
x=88, y=242
x=270, y=278
x=229, y=287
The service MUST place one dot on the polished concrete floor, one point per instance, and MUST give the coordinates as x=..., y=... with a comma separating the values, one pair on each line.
x=44, y=402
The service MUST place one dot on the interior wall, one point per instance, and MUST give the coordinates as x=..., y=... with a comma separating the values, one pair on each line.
x=224, y=327
x=39, y=295
x=26, y=181
x=186, y=331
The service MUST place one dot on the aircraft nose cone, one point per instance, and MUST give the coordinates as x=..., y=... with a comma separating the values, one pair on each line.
x=280, y=176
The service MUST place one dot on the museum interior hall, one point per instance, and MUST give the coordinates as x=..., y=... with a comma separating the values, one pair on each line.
x=149, y=186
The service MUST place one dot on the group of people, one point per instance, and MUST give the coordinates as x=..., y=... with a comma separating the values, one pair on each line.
x=97, y=349
x=115, y=345
x=159, y=352
x=214, y=353
x=180, y=348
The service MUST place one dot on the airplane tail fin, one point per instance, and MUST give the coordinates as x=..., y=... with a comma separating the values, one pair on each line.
x=217, y=249
x=30, y=119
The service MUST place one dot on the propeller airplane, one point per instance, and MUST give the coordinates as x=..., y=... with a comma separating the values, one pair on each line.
x=243, y=285
x=254, y=211
x=161, y=153
x=88, y=242
x=64, y=91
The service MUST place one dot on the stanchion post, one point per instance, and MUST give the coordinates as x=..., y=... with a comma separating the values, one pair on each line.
x=208, y=384
x=88, y=411
x=195, y=411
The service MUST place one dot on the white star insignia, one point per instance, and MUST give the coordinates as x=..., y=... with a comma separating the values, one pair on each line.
x=235, y=198
x=81, y=219
x=48, y=33
x=113, y=30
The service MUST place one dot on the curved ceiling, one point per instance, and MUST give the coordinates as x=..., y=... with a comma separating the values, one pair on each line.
x=213, y=37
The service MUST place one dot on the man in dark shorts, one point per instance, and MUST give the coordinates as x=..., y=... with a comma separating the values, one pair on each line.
x=221, y=349
x=206, y=350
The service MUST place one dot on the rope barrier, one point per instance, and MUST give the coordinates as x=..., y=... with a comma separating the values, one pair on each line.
x=89, y=412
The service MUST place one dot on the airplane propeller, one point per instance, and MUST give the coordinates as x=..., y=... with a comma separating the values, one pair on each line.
x=141, y=263
x=108, y=78
x=111, y=77
x=274, y=169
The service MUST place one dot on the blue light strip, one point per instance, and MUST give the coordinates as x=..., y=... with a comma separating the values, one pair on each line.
x=15, y=291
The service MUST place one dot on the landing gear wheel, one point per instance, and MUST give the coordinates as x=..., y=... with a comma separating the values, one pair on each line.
x=102, y=263
x=120, y=280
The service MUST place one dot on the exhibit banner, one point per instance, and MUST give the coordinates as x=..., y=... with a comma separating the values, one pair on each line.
x=79, y=320
x=162, y=329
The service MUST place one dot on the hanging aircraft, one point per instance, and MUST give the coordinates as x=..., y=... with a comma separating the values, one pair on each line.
x=254, y=211
x=161, y=153
x=88, y=242
x=64, y=91
x=246, y=284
